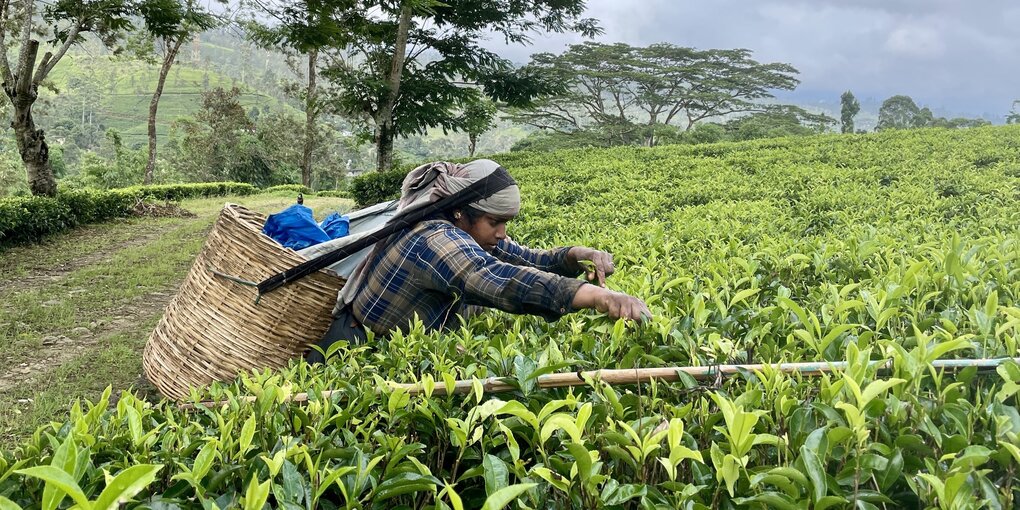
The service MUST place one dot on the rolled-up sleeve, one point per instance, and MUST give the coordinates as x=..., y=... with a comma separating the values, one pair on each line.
x=457, y=264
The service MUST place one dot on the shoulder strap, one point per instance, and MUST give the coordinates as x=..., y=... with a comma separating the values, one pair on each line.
x=479, y=190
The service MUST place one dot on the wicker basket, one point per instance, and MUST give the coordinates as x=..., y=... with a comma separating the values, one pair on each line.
x=213, y=329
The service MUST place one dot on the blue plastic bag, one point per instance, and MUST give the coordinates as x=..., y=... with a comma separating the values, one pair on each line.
x=336, y=225
x=295, y=228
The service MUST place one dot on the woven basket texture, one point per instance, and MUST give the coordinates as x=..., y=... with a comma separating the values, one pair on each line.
x=212, y=329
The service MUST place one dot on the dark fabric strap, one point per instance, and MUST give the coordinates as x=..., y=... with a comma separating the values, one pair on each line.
x=479, y=190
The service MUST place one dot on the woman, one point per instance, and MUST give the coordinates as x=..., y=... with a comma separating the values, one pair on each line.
x=459, y=259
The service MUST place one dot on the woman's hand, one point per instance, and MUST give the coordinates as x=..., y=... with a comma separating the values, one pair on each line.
x=596, y=264
x=617, y=304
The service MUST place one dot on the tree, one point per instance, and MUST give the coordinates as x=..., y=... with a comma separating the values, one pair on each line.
x=849, y=107
x=223, y=143
x=67, y=22
x=631, y=91
x=776, y=121
x=297, y=36
x=898, y=112
x=405, y=66
x=170, y=23
x=1014, y=115
x=479, y=117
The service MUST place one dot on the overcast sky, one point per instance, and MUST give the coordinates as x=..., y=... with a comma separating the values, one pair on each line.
x=959, y=57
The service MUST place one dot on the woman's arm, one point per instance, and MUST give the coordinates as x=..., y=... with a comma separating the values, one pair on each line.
x=556, y=260
x=458, y=265
x=617, y=304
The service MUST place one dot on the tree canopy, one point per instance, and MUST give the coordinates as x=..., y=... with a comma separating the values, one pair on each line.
x=627, y=90
x=402, y=67
x=900, y=112
x=849, y=108
x=1014, y=114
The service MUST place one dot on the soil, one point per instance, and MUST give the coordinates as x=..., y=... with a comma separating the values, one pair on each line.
x=43, y=275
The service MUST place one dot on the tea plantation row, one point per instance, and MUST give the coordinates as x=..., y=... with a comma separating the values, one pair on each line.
x=896, y=246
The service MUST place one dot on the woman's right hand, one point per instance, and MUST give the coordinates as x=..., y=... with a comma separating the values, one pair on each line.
x=616, y=304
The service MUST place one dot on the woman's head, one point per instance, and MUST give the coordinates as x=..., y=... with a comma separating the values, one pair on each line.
x=485, y=228
x=505, y=203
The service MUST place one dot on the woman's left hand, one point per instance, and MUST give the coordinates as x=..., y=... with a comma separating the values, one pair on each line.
x=599, y=266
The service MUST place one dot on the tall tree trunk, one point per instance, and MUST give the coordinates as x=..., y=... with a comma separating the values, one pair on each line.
x=311, y=111
x=35, y=154
x=384, y=147
x=164, y=70
x=472, y=142
x=384, y=117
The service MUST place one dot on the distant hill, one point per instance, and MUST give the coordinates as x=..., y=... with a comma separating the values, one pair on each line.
x=111, y=92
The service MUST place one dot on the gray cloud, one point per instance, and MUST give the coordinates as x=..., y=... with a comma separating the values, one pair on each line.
x=955, y=56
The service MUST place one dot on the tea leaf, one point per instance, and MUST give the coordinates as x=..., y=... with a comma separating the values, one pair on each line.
x=125, y=485
x=496, y=474
x=247, y=434
x=504, y=496
x=60, y=480
x=6, y=504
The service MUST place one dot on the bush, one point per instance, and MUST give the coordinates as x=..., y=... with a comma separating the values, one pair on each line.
x=376, y=187
x=296, y=188
x=175, y=192
x=333, y=193
x=29, y=219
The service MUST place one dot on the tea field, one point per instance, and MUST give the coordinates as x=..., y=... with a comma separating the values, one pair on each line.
x=883, y=250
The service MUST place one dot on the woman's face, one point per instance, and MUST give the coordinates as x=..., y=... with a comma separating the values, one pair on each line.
x=487, y=231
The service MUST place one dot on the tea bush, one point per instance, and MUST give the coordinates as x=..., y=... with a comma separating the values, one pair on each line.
x=294, y=188
x=823, y=249
x=333, y=193
x=30, y=219
x=375, y=187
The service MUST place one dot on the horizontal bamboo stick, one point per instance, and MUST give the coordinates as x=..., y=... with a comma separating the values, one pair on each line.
x=643, y=375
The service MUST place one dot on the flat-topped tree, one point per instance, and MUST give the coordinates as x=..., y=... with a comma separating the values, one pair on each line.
x=630, y=92
x=405, y=66
x=65, y=23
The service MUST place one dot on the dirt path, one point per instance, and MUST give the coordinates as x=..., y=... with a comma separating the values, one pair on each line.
x=75, y=311
x=37, y=273
x=59, y=349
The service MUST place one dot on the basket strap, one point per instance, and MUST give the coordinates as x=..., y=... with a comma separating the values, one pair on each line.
x=479, y=190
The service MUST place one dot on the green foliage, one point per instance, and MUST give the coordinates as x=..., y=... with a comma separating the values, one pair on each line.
x=479, y=117
x=295, y=188
x=375, y=187
x=223, y=143
x=884, y=251
x=13, y=180
x=30, y=219
x=333, y=193
x=1014, y=114
x=549, y=141
x=125, y=168
x=849, y=107
x=628, y=92
x=900, y=112
x=777, y=121
x=423, y=92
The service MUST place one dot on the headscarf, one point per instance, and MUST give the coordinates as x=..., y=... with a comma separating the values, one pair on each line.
x=433, y=181
x=427, y=184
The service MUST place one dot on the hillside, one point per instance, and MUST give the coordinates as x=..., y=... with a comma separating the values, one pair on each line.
x=872, y=256
x=116, y=93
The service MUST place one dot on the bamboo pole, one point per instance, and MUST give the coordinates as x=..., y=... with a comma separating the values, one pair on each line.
x=641, y=375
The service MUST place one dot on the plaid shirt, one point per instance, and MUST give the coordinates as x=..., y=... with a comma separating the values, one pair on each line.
x=436, y=270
